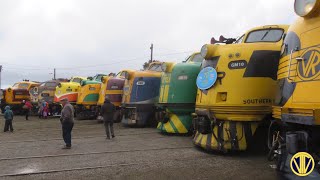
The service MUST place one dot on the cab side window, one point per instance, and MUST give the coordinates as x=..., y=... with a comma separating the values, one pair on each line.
x=124, y=74
x=239, y=40
x=77, y=80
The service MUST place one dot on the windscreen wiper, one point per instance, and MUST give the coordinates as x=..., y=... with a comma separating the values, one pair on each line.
x=265, y=34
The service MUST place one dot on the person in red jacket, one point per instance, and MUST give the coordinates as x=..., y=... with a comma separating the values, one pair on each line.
x=27, y=107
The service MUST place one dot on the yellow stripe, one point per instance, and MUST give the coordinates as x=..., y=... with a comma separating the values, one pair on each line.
x=198, y=137
x=178, y=124
x=214, y=142
x=159, y=124
x=168, y=128
x=166, y=93
x=114, y=92
x=161, y=94
x=226, y=135
x=241, y=136
x=204, y=141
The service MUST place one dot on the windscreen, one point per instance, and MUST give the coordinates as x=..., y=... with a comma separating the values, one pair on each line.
x=196, y=58
x=155, y=67
x=265, y=35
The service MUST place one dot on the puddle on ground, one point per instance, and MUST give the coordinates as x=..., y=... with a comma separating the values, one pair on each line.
x=27, y=170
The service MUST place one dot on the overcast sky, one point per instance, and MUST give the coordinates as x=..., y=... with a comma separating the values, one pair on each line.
x=82, y=37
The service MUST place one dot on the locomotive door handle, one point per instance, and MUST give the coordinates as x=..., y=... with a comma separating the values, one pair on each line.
x=300, y=59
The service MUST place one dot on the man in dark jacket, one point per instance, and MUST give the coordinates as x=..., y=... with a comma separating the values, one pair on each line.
x=67, y=122
x=107, y=111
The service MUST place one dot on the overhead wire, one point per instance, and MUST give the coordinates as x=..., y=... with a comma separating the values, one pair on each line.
x=36, y=68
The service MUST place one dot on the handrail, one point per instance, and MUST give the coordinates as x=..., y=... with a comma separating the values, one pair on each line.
x=290, y=65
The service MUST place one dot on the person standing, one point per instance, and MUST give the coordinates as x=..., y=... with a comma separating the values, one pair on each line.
x=40, y=111
x=107, y=111
x=27, y=107
x=45, y=111
x=67, y=122
x=8, y=116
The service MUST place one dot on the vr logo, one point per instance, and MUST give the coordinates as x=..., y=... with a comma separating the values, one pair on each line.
x=309, y=67
x=302, y=164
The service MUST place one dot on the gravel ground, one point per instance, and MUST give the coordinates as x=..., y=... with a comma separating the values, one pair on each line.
x=34, y=152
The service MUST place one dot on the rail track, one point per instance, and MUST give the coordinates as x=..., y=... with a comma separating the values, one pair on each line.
x=92, y=167
x=83, y=137
x=95, y=153
x=88, y=167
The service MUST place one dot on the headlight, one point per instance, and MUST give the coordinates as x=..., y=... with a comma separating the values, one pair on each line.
x=304, y=7
x=204, y=51
x=207, y=50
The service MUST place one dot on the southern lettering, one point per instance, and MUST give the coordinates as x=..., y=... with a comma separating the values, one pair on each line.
x=257, y=101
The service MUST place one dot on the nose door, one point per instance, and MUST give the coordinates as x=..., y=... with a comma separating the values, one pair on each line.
x=308, y=68
x=164, y=89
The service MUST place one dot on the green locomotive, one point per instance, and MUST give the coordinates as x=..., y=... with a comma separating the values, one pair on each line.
x=178, y=92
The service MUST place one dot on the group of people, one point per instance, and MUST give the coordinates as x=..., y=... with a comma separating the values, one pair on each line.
x=8, y=115
x=43, y=111
x=66, y=119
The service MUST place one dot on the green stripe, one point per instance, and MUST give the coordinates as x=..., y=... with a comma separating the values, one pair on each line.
x=174, y=127
x=91, y=98
x=186, y=120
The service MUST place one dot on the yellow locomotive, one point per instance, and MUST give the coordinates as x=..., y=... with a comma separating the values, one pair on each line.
x=112, y=88
x=141, y=93
x=13, y=96
x=45, y=93
x=68, y=90
x=236, y=88
x=296, y=114
x=88, y=97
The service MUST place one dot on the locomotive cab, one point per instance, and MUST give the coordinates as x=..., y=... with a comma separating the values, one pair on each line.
x=177, y=96
x=141, y=93
x=236, y=88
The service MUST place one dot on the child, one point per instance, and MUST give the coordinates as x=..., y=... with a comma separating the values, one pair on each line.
x=8, y=116
x=45, y=112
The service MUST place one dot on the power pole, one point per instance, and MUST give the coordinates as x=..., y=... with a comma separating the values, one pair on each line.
x=54, y=73
x=151, y=48
x=0, y=75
